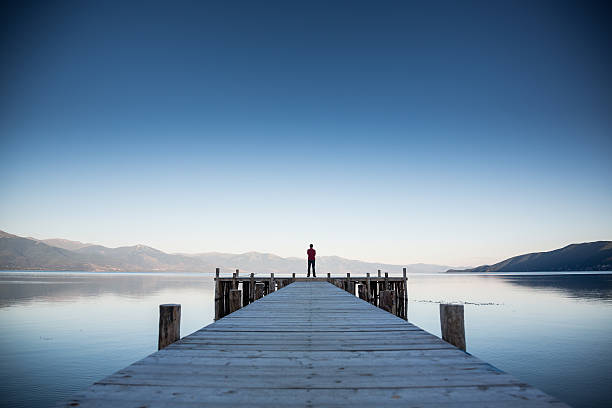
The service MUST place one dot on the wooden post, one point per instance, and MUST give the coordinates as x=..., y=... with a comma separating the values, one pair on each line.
x=235, y=280
x=328, y=277
x=452, y=325
x=235, y=296
x=386, y=281
x=405, y=298
x=379, y=273
x=272, y=283
x=218, y=305
x=388, y=301
x=347, y=286
x=169, y=324
x=252, y=288
x=259, y=291
x=368, y=290
x=293, y=276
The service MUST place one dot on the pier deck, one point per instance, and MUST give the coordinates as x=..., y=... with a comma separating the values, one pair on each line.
x=310, y=344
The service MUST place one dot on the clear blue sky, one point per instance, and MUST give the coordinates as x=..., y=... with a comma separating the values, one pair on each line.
x=451, y=132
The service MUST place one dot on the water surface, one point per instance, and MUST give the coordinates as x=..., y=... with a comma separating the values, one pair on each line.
x=59, y=332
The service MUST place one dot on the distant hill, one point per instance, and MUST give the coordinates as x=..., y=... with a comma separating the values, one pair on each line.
x=18, y=253
x=64, y=243
x=24, y=253
x=588, y=256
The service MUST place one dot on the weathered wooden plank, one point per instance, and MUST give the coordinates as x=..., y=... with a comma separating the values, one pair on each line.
x=518, y=395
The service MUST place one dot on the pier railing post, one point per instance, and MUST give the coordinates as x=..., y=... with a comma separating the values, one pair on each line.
x=387, y=281
x=452, y=325
x=235, y=296
x=368, y=290
x=218, y=305
x=272, y=283
x=252, y=288
x=169, y=324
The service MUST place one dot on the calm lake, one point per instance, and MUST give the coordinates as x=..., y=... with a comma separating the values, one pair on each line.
x=59, y=332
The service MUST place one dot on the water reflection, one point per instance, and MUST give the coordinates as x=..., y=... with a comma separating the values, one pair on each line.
x=20, y=287
x=582, y=286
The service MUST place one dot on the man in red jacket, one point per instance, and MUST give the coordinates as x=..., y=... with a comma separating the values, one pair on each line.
x=311, y=261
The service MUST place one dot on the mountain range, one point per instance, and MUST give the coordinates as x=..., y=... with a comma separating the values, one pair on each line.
x=587, y=256
x=21, y=253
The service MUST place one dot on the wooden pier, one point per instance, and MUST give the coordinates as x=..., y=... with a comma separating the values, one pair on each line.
x=310, y=344
x=388, y=293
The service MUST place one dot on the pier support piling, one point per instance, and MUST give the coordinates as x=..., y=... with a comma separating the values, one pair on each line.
x=235, y=298
x=259, y=291
x=218, y=298
x=388, y=301
x=272, y=283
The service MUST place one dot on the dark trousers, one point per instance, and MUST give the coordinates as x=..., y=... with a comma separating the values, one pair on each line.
x=311, y=262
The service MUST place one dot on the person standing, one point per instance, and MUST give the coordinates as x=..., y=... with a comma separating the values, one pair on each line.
x=311, y=261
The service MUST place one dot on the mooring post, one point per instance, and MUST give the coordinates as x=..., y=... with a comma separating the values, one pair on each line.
x=379, y=273
x=252, y=288
x=218, y=305
x=293, y=276
x=328, y=277
x=387, y=281
x=235, y=296
x=369, y=291
x=169, y=324
x=452, y=325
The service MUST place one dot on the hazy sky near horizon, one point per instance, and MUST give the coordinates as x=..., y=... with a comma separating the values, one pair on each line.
x=457, y=133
